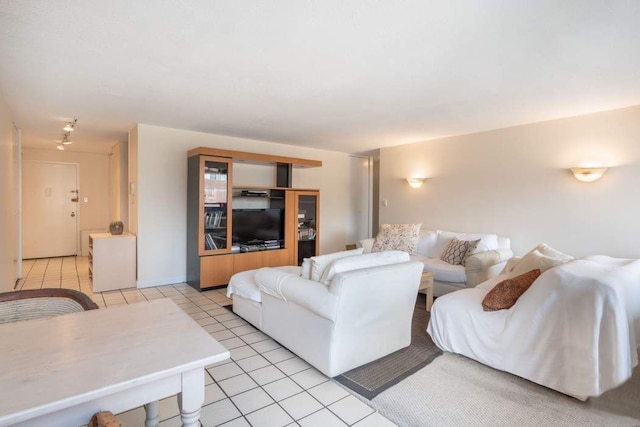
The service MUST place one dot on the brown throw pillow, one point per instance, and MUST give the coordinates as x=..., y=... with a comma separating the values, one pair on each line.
x=507, y=292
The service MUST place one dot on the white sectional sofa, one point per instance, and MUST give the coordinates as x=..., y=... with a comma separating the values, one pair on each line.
x=491, y=256
x=336, y=320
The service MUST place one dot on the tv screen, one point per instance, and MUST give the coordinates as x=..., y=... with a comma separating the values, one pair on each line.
x=257, y=225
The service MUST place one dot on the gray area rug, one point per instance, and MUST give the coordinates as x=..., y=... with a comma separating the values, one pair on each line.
x=457, y=391
x=375, y=377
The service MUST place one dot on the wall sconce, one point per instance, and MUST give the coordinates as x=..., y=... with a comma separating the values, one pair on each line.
x=416, y=182
x=588, y=174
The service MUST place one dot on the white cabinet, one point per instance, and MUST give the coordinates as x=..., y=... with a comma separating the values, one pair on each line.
x=112, y=261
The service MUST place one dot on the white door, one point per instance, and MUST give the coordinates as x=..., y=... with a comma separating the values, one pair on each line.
x=49, y=209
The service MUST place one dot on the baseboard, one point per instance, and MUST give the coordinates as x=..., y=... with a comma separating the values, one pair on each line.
x=140, y=284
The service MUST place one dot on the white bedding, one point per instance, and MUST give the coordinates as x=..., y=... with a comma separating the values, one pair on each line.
x=576, y=329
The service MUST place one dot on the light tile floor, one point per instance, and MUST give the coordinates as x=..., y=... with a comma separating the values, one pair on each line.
x=262, y=384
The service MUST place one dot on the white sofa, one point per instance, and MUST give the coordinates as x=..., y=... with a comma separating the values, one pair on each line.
x=356, y=317
x=493, y=252
x=575, y=330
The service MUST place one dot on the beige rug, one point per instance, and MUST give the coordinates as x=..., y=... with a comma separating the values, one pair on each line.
x=456, y=391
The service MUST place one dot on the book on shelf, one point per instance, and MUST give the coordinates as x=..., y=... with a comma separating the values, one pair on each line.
x=209, y=243
x=213, y=219
x=306, y=233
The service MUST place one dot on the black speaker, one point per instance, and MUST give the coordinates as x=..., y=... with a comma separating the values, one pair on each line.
x=284, y=172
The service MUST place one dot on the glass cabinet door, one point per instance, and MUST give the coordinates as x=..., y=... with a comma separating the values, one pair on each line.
x=215, y=220
x=308, y=223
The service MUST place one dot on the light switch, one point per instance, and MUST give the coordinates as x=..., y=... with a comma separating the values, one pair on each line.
x=385, y=203
x=86, y=199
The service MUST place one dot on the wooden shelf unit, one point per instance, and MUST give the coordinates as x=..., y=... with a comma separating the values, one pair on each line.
x=206, y=267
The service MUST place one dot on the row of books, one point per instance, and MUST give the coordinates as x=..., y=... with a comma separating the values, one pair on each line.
x=306, y=233
x=213, y=219
x=210, y=242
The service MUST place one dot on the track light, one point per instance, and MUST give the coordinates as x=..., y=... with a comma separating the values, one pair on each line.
x=70, y=126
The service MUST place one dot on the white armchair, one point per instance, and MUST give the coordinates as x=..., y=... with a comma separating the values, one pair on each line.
x=360, y=316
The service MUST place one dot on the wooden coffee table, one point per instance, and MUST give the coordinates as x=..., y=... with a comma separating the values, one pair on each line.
x=59, y=371
x=426, y=283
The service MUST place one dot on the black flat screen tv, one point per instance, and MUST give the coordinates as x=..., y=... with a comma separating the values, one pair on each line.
x=254, y=226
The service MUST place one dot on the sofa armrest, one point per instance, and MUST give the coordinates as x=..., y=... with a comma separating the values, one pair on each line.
x=484, y=265
x=312, y=295
x=366, y=244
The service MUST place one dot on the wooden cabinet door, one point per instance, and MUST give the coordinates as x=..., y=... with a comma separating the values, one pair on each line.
x=215, y=208
x=215, y=270
x=307, y=225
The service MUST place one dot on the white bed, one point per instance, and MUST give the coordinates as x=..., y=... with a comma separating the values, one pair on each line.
x=575, y=330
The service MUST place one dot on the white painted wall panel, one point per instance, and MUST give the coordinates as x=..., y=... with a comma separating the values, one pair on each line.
x=515, y=182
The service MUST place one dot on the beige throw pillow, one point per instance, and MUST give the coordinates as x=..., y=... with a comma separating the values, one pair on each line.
x=472, y=248
x=397, y=237
x=542, y=257
x=455, y=251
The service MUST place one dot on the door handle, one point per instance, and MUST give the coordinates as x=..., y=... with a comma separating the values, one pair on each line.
x=75, y=199
x=73, y=214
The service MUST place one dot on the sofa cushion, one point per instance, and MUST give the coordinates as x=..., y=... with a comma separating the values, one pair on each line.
x=426, y=242
x=397, y=237
x=363, y=261
x=505, y=294
x=488, y=242
x=442, y=241
x=542, y=257
x=306, y=268
x=442, y=271
x=319, y=263
x=455, y=251
x=472, y=248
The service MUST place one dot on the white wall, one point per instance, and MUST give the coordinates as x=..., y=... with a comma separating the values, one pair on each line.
x=162, y=193
x=118, y=183
x=360, y=190
x=8, y=207
x=515, y=182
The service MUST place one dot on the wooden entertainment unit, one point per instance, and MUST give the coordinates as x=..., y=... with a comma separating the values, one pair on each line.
x=212, y=256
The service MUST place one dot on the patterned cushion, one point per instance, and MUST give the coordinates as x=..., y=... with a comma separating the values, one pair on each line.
x=505, y=294
x=472, y=246
x=397, y=237
x=455, y=251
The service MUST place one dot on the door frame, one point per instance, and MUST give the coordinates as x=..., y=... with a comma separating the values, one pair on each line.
x=77, y=167
x=17, y=150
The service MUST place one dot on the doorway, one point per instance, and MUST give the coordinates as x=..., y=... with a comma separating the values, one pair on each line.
x=360, y=182
x=49, y=209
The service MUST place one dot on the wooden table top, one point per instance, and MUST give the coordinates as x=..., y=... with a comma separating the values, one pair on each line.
x=57, y=362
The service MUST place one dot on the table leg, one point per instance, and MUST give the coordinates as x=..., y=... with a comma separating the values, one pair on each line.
x=153, y=414
x=191, y=398
x=430, y=296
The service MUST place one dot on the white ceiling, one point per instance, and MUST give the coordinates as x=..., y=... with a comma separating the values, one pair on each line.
x=346, y=75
